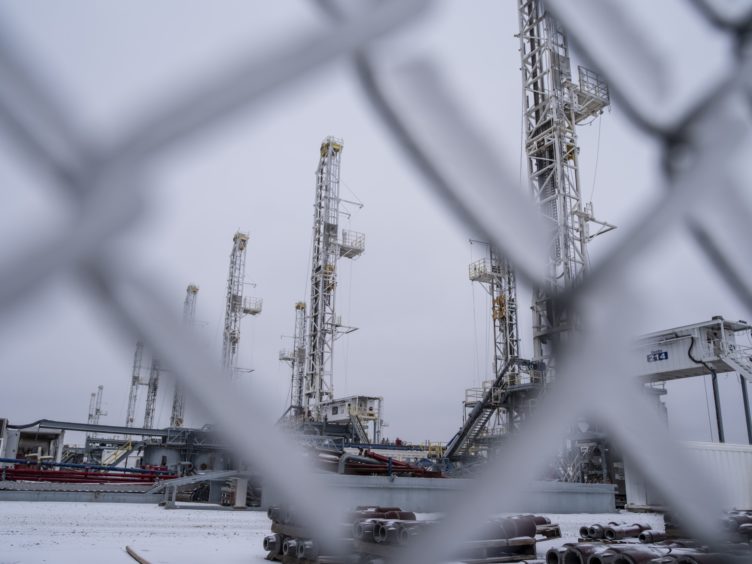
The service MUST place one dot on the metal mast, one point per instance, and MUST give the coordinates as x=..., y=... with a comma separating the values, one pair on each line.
x=98, y=405
x=189, y=314
x=95, y=408
x=553, y=106
x=498, y=279
x=151, y=394
x=323, y=325
x=135, y=383
x=92, y=404
x=296, y=359
x=236, y=306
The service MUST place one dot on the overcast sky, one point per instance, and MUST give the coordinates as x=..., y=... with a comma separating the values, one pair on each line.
x=423, y=328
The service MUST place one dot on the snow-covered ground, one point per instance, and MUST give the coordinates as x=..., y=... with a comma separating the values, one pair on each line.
x=61, y=533
x=99, y=532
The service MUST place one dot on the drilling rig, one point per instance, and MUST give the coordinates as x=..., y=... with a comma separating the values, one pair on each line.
x=295, y=357
x=152, y=387
x=552, y=108
x=95, y=408
x=319, y=406
x=135, y=383
x=237, y=305
x=178, y=398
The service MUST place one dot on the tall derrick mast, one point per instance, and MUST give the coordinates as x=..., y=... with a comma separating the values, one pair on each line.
x=498, y=279
x=92, y=404
x=135, y=383
x=296, y=358
x=95, y=408
x=553, y=106
x=152, y=388
x=236, y=305
x=323, y=325
x=178, y=398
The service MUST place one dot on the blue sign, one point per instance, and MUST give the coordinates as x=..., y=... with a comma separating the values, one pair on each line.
x=655, y=356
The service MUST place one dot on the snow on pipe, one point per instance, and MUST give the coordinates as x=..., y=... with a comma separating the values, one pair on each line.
x=628, y=554
x=580, y=553
x=273, y=544
x=597, y=531
x=290, y=548
x=307, y=550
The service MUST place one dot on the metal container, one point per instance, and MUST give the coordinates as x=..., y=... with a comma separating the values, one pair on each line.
x=728, y=465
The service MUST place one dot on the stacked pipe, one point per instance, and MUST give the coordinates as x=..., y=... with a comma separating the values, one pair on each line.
x=612, y=531
x=291, y=541
x=508, y=539
x=738, y=524
x=83, y=474
x=614, y=544
x=371, y=463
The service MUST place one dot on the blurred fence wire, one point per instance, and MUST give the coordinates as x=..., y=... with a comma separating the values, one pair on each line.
x=705, y=143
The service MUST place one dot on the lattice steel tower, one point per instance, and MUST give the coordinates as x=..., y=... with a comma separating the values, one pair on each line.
x=553, y=106
x=135, y=383
x=178, y=398
x=236, y=305
x=152, y=387
x=323, y=325
x=95, y=408
x=498, y=279
x=296, y=358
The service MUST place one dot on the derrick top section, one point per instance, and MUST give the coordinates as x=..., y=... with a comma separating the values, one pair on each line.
x=240, y=241
x=332, y=143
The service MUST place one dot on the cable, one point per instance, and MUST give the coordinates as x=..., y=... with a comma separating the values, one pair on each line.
x=476, y=360
x=354, y=195
x=704, y=383
x=597, y=153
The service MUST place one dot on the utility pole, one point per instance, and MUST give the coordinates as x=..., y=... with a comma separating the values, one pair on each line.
x=236, y=305
x=189, y=314
x=328, y=248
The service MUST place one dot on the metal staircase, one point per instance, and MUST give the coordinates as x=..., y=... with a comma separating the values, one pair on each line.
x=117, y=456
x=740, y=363
x=479, y=417
x=359, y=429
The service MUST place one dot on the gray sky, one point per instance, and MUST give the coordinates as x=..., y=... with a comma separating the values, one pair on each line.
x=423, y=334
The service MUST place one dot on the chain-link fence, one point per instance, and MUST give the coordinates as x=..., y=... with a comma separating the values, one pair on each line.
x=705, y=142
